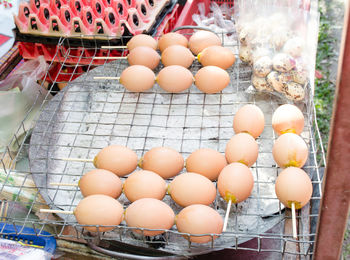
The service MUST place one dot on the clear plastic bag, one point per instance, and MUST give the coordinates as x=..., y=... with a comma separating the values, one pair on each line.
x=20, y=98
x=279, y=40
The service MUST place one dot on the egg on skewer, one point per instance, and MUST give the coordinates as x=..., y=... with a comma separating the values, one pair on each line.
x=164, y=161
x=217, y=56
x=95, y=210
x=149, y=213
x=288, y=119
x=290, y=150
x=235, y=184
x=177, y=55
x=242, y=148
x=293, y=188
x=175, y=79
x=199, y=219
x=144, y=184
x=206, y=162
x=170, y=39
x=211, y=79
x=249, y=119
x=192, y=188
x=201, y=40
x=116, y=158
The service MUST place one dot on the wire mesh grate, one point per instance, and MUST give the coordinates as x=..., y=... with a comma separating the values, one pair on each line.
x=91, y=114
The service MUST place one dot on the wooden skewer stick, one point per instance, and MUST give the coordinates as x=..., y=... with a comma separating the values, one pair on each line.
x=111, y=58
x=294, y=222
x=75, y=159
x=114, y=47
x=227, y=214
x=116, y=78
x=68, y=212
x=63, y=184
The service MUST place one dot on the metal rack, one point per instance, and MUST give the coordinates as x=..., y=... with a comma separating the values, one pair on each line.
x=89, y=115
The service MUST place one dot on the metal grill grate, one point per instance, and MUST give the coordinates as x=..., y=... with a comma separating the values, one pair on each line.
x=90, y=114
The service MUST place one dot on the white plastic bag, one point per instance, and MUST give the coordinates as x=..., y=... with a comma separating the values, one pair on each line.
x=20, y=99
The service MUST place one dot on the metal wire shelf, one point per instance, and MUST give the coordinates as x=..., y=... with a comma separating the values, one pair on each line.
x=89, y=115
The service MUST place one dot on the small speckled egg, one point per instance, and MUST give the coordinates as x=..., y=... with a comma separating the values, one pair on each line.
x=177, y=55
x=201, y=40
x=116, y=158
x=294, y=46
x=294, y=91
x=142, y=40
x=192, y=188
x=275, y=80
x=235, y=182
x=175, y=79
x=199, y=219
x=100, y=181
x=262, y=66
x=293, y=185
x=245, y=54
x=211, y=79
x=137, y=78
x=99, y=210
x=290, y=150
x=170, y=39
x=299, y=74
x=249, y=119
x=261, y=84
x=217, y=56
x=288, y=119
x=151, y=214
x=246, y=33
x=283, y=62
x=242, y=148
x=164, y=161
x=143, y=55
x=144, y=184
x=206, y=162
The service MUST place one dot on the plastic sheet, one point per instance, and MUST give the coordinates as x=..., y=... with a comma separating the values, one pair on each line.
x=18, y=93
x=279, y=41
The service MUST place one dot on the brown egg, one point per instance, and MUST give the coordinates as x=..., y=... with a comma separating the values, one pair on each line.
x=211, y=79
x=116, y=158
x=170, y=39
x=137, y=78
x=242, y=148
x=142, y=40
x=192, y=188
x=293, y=185
x=235, y=182
x=249, y=119
x=288, y=119
x=290, y=150
x=144, y=184
x=100, y=181
x=164, y=161
x=99, y=210
x=206, y=162
x=201, y=40
x=143, y=55
x=175, y=78
x=197, y=220
x=177, y=55
x=217, y=56
x=151, y=214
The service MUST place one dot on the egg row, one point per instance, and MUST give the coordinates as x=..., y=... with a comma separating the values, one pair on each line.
x=148, y=213
x=175, y=79
x=179, y=55
x=197, y=42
